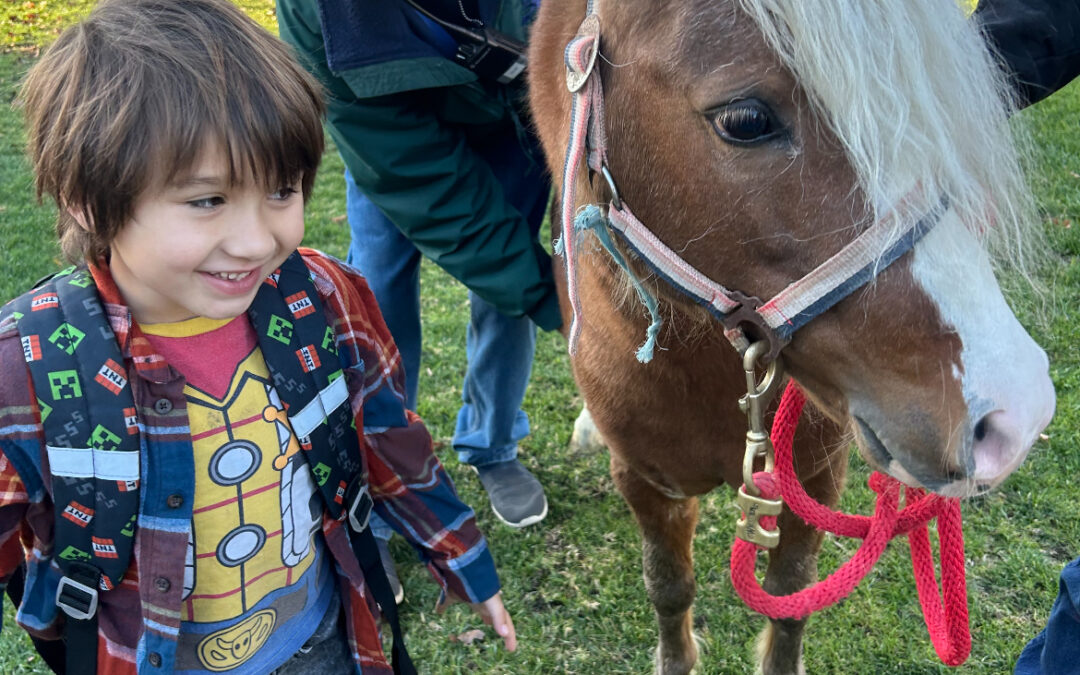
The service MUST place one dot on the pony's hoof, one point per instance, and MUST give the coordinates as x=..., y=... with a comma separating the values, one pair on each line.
x=586, y=437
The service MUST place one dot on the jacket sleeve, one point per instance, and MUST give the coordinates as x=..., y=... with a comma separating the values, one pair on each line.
x=1038, y=41
x=423, y=176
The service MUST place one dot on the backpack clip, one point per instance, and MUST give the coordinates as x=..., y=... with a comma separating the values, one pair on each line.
x=78, y=600
x=360, y=504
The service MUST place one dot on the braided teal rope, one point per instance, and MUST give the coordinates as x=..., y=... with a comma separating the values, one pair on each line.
x=591, y=219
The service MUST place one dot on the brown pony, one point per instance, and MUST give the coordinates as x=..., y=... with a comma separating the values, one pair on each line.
x=756, y=139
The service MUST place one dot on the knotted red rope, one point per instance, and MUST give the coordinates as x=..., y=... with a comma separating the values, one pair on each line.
x=944, y=610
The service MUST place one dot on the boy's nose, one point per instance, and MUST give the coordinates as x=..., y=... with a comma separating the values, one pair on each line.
x=251, y=238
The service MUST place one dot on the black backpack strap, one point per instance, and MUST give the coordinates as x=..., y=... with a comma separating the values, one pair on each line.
x=301, y=353
x=88, y=412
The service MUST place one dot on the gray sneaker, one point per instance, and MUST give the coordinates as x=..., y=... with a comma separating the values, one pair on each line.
x=388, y=567
x=517, y=497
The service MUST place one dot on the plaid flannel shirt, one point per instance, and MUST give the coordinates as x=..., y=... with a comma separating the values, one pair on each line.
x=139, y=620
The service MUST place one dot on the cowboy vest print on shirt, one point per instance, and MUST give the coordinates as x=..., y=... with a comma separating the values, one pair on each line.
x=256, y=574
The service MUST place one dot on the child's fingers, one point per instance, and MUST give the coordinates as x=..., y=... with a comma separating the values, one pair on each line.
x=496, y=616
x=506, y=630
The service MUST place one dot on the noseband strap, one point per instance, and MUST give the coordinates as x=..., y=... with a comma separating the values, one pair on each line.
x=744, y=317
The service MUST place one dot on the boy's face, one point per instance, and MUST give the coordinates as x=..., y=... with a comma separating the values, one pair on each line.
x=200, y=247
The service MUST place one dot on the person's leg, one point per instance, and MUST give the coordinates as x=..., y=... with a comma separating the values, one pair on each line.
x=391, y=265
x=500, y=352
x=1057, y=648
x=491, y=422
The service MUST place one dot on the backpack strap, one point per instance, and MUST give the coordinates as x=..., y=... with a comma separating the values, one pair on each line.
x=88, y=415
x=92, y=434
x=301, y=353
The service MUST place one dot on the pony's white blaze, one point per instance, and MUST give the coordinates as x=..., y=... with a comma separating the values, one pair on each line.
x=1002, y=372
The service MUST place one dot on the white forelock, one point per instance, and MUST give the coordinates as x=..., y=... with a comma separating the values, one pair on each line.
x=920, y=101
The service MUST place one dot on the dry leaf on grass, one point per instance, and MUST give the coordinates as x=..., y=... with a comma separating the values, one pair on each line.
x=468, y=637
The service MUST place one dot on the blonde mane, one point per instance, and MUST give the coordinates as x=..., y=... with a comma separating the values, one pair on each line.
x=921, y=100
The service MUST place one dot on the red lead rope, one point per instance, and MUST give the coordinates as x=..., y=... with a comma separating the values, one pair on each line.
x=945, y=609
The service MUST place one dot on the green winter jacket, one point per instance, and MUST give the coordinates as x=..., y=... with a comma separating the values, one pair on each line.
x=400, y=114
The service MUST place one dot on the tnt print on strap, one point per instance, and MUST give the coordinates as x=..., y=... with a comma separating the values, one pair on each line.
x=88, y=413
x=302, y=357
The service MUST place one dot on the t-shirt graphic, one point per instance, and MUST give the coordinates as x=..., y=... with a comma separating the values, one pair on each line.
x=255, y=564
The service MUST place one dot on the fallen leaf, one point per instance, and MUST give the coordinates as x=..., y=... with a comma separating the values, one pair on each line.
x=338, y=219
x=468, y=637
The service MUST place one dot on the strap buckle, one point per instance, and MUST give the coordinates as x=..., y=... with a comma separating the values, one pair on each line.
x=360, y=504
x=78, y=600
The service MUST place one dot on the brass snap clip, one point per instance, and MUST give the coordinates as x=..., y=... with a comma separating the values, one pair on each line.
x=758, y=445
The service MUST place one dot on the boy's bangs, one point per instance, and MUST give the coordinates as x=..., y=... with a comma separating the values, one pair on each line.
x=269, y=136
x=261, y=141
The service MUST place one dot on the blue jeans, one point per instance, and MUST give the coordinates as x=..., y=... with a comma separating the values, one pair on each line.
x=499, y=349
x=1056, y=650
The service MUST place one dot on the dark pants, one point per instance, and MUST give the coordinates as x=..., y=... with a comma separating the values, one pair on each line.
x=1056, y=650
x=327, y=652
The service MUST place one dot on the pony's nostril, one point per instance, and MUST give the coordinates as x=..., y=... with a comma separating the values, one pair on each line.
x=980, y=430
x=997, y=446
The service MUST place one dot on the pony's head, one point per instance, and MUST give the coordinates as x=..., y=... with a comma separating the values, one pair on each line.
x=758, y=137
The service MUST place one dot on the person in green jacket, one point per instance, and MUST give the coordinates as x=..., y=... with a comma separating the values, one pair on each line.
x=440, y=162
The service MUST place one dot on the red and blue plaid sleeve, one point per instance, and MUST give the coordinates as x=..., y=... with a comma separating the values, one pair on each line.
x=411, y=488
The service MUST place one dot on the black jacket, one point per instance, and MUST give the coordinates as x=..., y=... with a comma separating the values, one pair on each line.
x=1038, y=40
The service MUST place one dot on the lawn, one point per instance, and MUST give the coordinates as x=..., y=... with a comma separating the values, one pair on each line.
x=574, y=582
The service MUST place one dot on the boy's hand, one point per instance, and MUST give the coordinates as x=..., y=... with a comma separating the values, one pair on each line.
x=495, y=615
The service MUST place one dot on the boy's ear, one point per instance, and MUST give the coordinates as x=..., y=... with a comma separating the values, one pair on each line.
x=80, y=217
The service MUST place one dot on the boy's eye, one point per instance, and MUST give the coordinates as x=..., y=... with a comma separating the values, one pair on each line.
x=206, y=202
x=283, y=194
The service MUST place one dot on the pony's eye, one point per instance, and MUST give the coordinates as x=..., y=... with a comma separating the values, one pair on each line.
x=746, y=121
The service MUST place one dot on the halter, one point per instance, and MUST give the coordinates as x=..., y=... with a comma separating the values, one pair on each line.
x=759, y=331
x=774, y=320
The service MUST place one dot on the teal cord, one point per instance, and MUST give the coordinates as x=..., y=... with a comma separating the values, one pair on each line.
x=591, y=218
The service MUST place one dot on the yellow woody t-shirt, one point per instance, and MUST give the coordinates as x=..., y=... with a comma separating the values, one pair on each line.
x=256, y=580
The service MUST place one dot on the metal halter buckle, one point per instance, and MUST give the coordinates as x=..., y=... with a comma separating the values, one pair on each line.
x=748, y=528
x=78, y=600
x=589, y=27
x=746, y=316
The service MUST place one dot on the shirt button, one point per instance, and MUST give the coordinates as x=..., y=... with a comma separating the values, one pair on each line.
x=162, y=584
x=155, y=659
x=163, y=406
x=175, y=501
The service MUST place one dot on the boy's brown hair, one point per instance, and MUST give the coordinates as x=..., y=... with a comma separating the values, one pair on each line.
x=127, y=99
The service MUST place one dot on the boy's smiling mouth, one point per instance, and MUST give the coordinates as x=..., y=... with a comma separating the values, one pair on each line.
x=230, y=276
x=236, y=283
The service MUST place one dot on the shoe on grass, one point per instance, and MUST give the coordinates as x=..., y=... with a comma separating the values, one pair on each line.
x=517, y=497
x=388, y=567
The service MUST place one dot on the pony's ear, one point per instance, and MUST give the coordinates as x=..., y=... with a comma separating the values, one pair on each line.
x=80, y=217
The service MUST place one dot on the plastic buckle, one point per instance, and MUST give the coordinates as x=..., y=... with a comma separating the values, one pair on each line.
x=360, y=505
x=78, y=600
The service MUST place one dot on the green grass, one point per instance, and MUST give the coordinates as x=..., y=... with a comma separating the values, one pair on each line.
x=574, y=583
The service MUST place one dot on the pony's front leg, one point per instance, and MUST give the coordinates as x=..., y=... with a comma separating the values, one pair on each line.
x=792, y=567
x=667, y=530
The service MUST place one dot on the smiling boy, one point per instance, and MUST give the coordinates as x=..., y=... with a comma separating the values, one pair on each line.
x=207, y=413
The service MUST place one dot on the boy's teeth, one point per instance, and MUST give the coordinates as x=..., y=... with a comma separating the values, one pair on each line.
x=231, y=276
